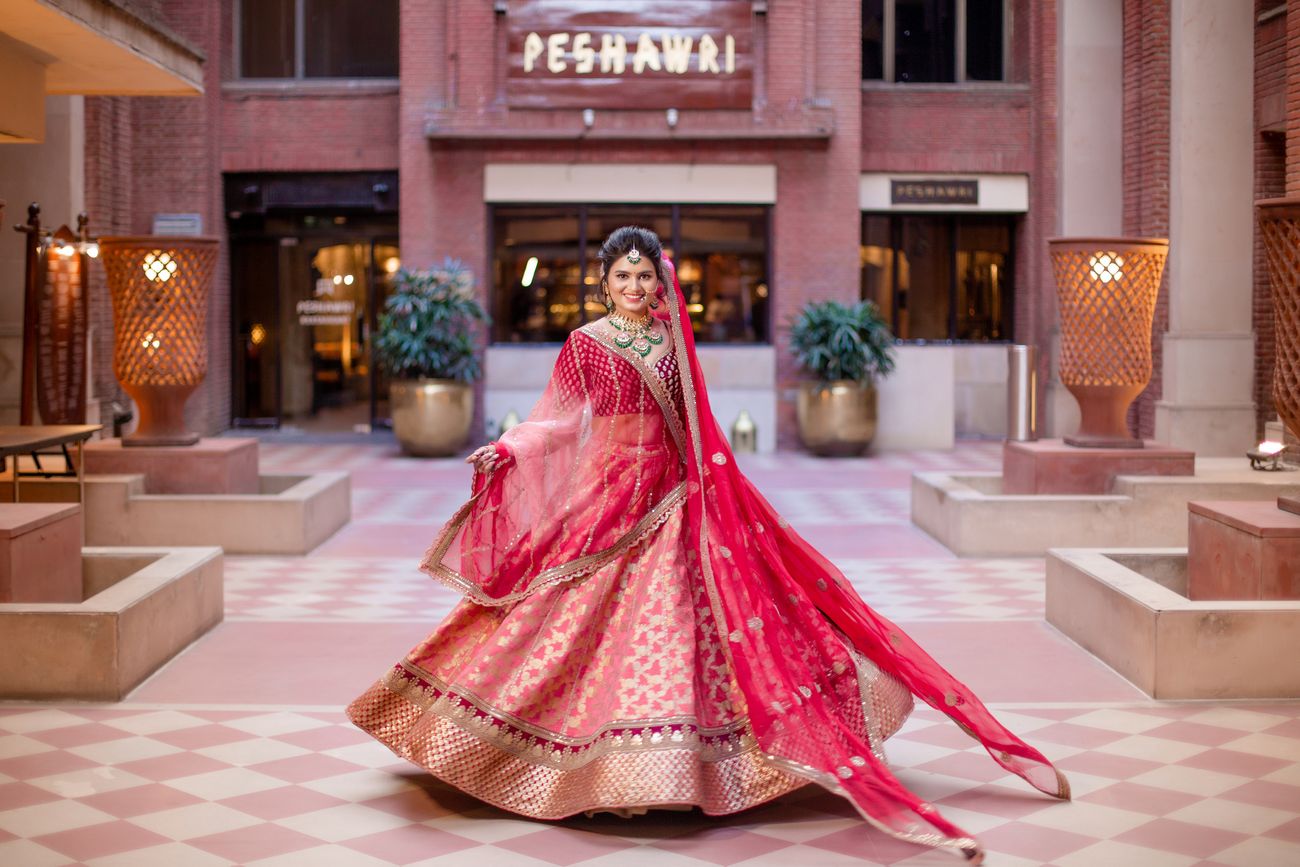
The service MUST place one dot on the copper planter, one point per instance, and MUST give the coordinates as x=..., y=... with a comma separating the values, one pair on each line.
x=431, y=417
x=1106, y=293
x=836, y=419
x=160, y=287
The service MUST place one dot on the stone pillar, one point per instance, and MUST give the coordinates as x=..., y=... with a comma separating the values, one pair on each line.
x=1090, y=178
x=1209, y=349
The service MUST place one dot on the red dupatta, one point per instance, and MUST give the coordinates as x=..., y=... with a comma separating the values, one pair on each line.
x=765, y=584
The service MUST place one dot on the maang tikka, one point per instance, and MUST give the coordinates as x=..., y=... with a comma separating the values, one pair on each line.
x=633, y=256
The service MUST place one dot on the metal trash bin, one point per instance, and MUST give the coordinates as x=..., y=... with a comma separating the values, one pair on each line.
x=1022, y=393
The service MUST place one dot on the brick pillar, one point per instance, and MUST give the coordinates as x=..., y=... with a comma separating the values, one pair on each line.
x=817, y=219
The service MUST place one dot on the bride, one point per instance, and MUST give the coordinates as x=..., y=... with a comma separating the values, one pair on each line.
x=640, y=628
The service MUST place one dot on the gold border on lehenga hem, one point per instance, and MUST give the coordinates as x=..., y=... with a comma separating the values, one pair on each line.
x=622, y=777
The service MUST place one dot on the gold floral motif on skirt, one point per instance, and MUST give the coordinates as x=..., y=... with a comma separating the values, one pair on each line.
x=610, y=692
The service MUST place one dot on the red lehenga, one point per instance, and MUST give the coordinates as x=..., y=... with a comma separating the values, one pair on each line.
x=640, y=628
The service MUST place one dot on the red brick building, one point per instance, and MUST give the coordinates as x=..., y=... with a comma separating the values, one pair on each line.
x=916, y=152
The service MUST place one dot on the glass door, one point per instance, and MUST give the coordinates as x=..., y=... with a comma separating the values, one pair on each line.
x=305, y=310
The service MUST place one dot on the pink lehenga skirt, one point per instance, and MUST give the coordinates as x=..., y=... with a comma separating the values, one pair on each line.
x=609, y=692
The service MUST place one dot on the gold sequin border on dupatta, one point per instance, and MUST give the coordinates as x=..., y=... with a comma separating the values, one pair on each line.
x=922, y=835
x=434, y=564
x=434, y=559
x=497, y=759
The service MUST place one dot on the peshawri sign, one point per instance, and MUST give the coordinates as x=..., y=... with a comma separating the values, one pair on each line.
x=639, y=54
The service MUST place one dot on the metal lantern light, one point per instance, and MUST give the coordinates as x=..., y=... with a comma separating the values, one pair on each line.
x=160, y=287
x=1106, y=292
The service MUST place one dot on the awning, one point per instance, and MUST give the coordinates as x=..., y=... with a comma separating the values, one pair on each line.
x=89, y=47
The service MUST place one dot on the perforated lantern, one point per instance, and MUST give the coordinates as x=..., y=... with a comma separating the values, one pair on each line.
x=160, y=287
x=1106, y=292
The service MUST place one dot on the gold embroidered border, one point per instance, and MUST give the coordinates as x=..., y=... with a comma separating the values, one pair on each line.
x=620, y=779
x=427, y=691
x=433, y=559
x=652, y=381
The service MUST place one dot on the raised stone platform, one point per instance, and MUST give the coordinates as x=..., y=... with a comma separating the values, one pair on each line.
x=211, y=466
x=1242, y=550
x=289, y=515
x=970, y=514
x=1052, y=467
x=142, y=606
x=38, y=552
x=1129, y=608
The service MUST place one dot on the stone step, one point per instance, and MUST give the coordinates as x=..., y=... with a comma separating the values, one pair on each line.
x=1052, y=467
x=40, y=552
x=1242, y=550
x=210, y=466
x=290, y=514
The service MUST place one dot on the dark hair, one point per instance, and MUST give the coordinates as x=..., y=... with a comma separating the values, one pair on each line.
x=622, y=240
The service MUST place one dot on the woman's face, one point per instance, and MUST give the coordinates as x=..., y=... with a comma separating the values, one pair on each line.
x=632, y=286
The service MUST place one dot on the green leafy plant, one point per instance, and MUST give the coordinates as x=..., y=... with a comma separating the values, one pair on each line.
x=835, y=341
x=427, y=328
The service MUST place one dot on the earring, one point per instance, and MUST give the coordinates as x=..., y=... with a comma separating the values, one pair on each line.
x=654, y=303
x=609, y=301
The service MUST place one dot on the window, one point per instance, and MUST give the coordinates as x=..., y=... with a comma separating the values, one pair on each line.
x=940, y=277
x=546, y=280
x=917, y=41
x=317, y=38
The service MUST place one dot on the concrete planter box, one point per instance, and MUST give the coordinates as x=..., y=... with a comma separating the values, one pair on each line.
x=291, y=514
x=142, y=606
x=969, y=514
x=1129, y=608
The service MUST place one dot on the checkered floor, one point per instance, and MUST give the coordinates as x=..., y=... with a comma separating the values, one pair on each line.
x=238, y=752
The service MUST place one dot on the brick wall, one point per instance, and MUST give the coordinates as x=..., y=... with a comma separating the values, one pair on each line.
x=1272, y=38
x=151, y=155
x=1036, y=291
x=1146, y=166
x=108, y=204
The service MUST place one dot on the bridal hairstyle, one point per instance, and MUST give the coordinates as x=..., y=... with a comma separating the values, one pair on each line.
x=623, y=240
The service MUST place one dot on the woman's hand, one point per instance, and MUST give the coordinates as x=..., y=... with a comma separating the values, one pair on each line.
x=485, y=458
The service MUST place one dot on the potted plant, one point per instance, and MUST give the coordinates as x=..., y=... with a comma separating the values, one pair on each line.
x=425, y=343
x=845, y=346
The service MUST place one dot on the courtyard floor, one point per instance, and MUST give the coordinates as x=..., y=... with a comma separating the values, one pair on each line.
x=238, y=751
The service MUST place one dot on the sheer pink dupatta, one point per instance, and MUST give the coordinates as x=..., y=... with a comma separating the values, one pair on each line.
x=586, y=477
x=767, y=587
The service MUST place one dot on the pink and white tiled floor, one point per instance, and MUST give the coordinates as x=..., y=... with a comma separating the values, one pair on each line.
x=238, y=751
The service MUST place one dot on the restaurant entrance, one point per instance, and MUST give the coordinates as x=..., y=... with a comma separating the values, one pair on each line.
x=307, y=287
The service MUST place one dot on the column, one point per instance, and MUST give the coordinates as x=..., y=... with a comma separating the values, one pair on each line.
x=1209, y=349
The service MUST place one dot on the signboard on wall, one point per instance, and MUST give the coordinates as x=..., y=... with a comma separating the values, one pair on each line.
x=640, y=54
x=934, y=191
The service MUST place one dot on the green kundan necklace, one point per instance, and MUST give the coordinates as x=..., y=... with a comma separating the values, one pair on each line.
x=638, y=336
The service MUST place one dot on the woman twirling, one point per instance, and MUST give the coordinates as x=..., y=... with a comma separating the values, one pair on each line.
x=640, y=628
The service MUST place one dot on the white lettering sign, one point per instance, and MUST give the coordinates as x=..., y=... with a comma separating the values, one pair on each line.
x=671, y=52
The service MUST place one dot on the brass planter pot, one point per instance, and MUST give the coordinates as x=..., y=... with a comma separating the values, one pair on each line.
x=431, y=417
x=837, y=419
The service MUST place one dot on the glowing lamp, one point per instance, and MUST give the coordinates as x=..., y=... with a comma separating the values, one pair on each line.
x=159, y=287
x=1106, y=293
x=1267, y=456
